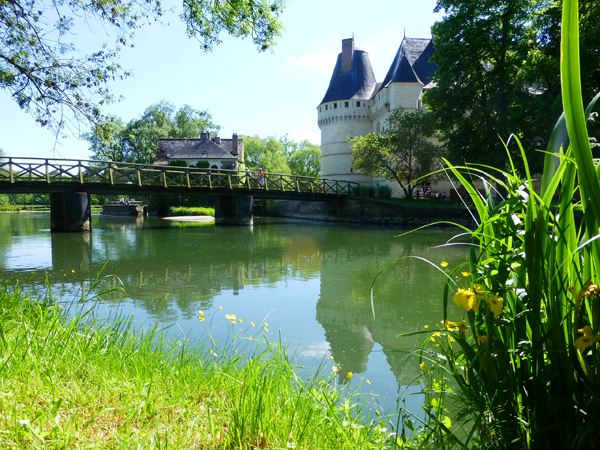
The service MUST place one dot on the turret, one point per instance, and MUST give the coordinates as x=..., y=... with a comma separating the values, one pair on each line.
x=345, y=111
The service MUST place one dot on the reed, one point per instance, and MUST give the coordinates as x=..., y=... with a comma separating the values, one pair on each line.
x=519, y=335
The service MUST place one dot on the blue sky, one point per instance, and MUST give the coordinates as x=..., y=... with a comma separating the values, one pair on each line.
x=246, y=92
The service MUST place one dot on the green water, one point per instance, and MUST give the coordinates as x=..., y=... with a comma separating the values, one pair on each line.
x=310, y=282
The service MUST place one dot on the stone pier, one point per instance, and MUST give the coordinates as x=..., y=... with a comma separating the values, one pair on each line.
x=233, y=210
x=70, y=211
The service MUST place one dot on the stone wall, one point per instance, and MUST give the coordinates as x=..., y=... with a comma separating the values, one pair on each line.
x=360, y=210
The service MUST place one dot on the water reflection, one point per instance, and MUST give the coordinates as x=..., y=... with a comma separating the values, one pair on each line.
x=315, y=281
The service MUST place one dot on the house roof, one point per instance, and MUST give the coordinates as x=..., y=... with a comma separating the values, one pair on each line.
x=358, y=83
x=412, y=63
x=190, y=149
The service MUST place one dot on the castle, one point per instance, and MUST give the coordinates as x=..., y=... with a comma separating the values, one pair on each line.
x=356, y=104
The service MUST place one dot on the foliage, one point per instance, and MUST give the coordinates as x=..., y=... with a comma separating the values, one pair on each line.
x=88, y=381
x=195, y=211
x=384, y=191
x=498, y=74
x=525, y=355
x=137, y=141
x=305, y=159
x=401, y=152
x=47, y=76
x=266, y=153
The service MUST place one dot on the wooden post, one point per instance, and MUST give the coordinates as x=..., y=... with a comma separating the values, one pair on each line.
x=139, y=177
x=47, y=173
x=297, y=186
x=111, y=179
x=80, y=174
x=10, y=171
x=187, y=178
x=229, y=180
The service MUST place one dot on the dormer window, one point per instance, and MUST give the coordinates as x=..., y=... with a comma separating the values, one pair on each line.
x=358, y=104
x=335, y=106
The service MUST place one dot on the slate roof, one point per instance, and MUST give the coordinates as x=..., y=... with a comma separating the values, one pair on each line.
x=188, y=149
x=358, y=83
x=411, y=63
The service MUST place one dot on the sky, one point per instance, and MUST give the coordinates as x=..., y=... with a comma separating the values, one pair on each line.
x=246, y=92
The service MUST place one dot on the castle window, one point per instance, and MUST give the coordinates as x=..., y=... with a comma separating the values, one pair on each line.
x=325, y=107
x=351, y=170
x=335, y=106
x=357, y=103
x=346, y=104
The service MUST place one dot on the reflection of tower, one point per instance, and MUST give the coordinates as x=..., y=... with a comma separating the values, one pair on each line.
x=407, y=296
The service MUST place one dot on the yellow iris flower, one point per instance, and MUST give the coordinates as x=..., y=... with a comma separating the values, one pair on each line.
x=467, y=299
x=587, y=340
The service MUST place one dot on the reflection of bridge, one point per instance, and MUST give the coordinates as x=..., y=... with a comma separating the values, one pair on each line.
x=71, y=181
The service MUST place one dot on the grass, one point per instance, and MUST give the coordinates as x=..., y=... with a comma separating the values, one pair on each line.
x=191, y=211
x=73, y=380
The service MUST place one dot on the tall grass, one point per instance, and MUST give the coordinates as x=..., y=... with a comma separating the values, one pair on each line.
x=79, y=381
x=520, y=327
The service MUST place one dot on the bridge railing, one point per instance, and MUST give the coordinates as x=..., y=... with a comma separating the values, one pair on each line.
x=21, y=169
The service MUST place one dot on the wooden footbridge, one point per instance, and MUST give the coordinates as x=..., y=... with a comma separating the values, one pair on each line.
x=32, y=175
x=234, y=189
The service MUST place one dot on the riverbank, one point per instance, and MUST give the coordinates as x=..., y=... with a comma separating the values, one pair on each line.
x=78, y=380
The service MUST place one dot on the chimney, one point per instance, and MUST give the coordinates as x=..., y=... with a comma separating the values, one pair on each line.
x=234, y=144
x=217, y=140
x=208, y=135
x=203, y=135
x=347, y=54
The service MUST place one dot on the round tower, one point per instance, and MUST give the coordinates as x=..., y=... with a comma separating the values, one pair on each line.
x=345, y=111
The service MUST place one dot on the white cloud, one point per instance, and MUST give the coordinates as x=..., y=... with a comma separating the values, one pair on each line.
x=323, y=60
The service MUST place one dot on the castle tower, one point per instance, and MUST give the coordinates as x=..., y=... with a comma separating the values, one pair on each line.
x=345, y=111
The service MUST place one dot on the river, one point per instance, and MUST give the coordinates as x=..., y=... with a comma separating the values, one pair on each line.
x=308, y=281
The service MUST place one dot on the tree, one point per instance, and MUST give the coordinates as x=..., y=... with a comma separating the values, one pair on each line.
x=44, y=73
x=137, y=141
x=305, y=159
x=481, y=95
x=265, y=153
x=401, y=152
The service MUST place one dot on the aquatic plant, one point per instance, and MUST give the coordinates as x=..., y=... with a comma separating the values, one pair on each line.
x=523, y=353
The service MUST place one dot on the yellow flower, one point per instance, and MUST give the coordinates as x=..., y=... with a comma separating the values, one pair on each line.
x=72, y=271
x=250, y=338
x=233, y=322
x=426, y=326
x=451, y=339
x=423, y=366
x=335, y=368
x=200, y=312
x=210, y=350
x=228, y=316
x=252, y=323
x=266, y=324
x=201, y=318
x=331, y=357
x=479, y=288
x=444, y=264
x=266, y=329
x=467, y=299
x=368, y=381
x=220, y=307
x=495, y=304
x=465, y=274
x=586, y=340
x=485, y=340
x=350, y=375
x=240, y=320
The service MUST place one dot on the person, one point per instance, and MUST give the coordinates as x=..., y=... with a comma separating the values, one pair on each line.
x=421, y=193
x=436, y=195
x=261, y=177
x=444, y=195
x=122, y=201
x=248, y=178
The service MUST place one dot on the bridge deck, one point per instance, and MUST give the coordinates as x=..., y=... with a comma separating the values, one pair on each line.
x=36, y=175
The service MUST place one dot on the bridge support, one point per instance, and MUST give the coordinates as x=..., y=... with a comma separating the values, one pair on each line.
x=70, y=211
x=233, y=210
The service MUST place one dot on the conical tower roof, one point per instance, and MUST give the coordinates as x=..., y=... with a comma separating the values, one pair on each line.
x=353, y=76
x=412, y=63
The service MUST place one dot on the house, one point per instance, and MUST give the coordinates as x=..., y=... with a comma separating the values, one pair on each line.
x=206, y=152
